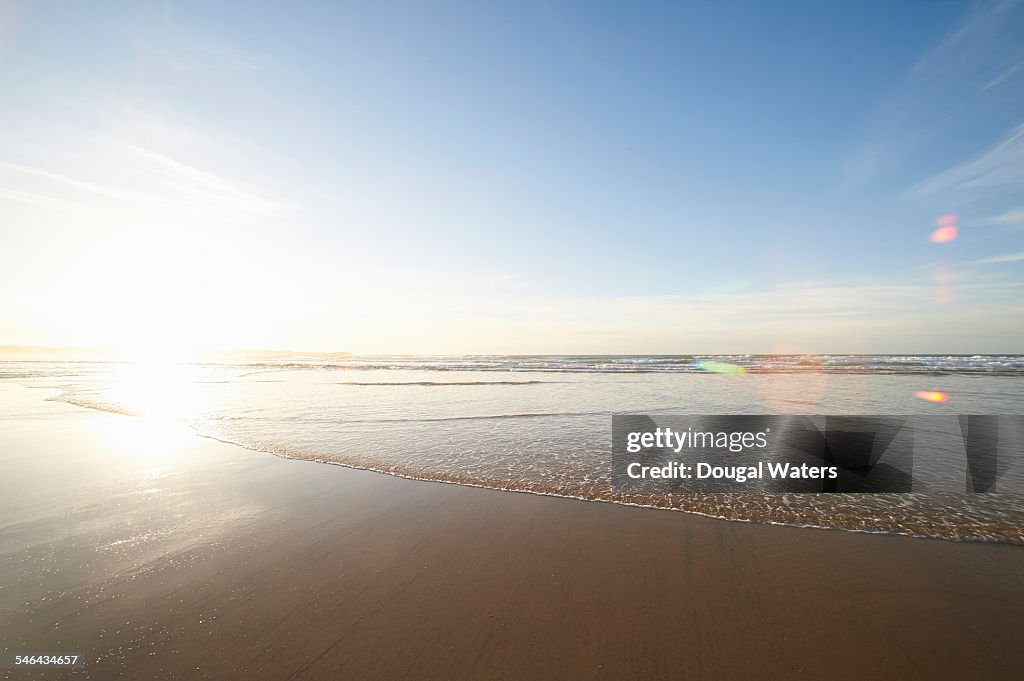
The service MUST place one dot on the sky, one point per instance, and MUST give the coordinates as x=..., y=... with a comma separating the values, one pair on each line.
x=513, y=177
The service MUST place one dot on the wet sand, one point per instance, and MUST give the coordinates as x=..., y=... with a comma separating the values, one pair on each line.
x=156, y=554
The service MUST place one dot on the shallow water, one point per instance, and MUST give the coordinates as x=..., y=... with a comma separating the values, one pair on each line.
x=542, y=424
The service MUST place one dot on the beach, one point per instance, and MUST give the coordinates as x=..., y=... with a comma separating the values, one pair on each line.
x=157, y=554
x=512, y=341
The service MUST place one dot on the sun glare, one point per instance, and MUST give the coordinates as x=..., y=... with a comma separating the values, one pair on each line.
x=156, y=389
x=162, y=397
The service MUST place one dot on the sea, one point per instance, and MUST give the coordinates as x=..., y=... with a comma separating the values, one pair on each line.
x=542, y=424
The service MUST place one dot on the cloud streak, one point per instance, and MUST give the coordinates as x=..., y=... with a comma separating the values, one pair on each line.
x=198, y=183
x=43, y=200
x=1002, y=165
x=963, y=77
x=136, y=178
x=19, y=169
x=1011, y=218
x=999, y=259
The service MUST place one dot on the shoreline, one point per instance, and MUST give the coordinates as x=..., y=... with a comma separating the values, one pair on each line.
x=186, y=557
x=849, y=518
x=973, y=539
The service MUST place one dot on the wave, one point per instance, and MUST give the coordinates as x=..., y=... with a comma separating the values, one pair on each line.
x=94, y=404
x=114, y=408
x=438, y=383
x=385, y=420
x=917, y=365
x=987, y=365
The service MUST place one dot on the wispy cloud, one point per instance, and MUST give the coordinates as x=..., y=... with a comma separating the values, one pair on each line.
x=130, y=178
x=1004, y=76
x=998, y=259
x=196, y=182
x=1000, y=165
x=948, y=86
x=43, y=200
x=1012, y=218
x=19, y=169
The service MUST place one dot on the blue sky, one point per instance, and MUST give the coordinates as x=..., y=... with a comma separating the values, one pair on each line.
x=513, y=177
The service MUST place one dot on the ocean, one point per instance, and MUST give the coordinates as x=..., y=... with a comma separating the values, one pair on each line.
x=541, y=424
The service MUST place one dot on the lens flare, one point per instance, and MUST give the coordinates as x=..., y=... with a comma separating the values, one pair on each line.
x=945, y=220
x=933, y=396
x=944, y=277
x=944, y=274
x=943, y=235
x=725, y=368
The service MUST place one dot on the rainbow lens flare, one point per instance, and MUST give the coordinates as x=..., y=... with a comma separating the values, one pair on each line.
x=933, y=396
x=943, y=235
x=947, y=229
x=725, y=368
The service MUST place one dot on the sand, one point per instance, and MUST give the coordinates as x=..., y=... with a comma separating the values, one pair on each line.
x=159, y=555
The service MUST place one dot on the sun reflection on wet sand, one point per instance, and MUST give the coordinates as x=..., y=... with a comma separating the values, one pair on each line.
x=162, y=397
x=159, y=442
